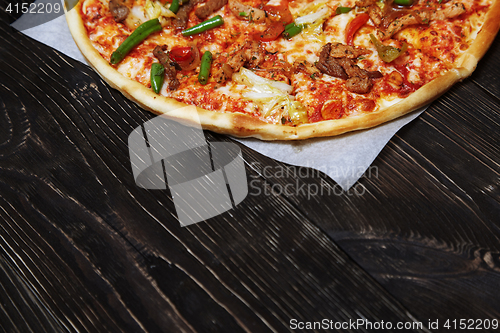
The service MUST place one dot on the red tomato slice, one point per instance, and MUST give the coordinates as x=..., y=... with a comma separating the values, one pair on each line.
x=354, y=26
x=271, y=33
x=279, y=13
x=279, y=16
x=180, y=54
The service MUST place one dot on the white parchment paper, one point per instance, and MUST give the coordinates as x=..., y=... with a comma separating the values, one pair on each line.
x=344, y=158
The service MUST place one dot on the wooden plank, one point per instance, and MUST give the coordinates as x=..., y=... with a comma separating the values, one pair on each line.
x=424, y=226
x=99, y=253
x=487, y=72
x=424, y=219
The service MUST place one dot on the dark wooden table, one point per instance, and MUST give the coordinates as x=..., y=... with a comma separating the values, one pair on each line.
x=83, y=249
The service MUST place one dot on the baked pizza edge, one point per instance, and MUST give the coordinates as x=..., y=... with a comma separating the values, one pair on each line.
x=242, y=125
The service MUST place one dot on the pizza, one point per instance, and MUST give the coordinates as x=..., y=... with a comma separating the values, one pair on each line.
x=284, y=69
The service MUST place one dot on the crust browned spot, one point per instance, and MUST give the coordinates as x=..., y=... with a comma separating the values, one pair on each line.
x=483, y=40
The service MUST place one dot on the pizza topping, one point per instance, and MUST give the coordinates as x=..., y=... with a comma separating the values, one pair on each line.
x=375, y=14
x=342, y=10
x=365, y=3
x=329, y=65
x=254, y=54
x=452, y=11
x=181, y=19
x=224, y=73
x=337, y=60
x=359, y=81
x=416, y=17
x=404, y=2
x=187, y=57
x=251, y=55
x=278, y=13
x=272, y=32
x=206, y=63
x=156, y=10
x=359, y=85
x=390, y=13
x=139, y=34
x=214, y=22
x=325, y=79
x=170, y=71
x=271, y=96
x=354, y=26
x=260, y=84
x=291, y=30
x=347, y=51
x=413, y=17
x=314, y=18
x=310, y=21
x=174, y=6
x=181, y=54
x=361, y=104
x=381, y=14
x=391, y=20
x=395, y=79
x=277, y=17
x=297, y=113
x=302, y=65
x=352, y=70
x=249, y=13
x=210, y=7
x=157, y=76
x=118, y=10
x=388, y=53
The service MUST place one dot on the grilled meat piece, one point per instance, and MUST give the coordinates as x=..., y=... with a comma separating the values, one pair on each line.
x=118, y=10
x=208, y=8
x=170, y=71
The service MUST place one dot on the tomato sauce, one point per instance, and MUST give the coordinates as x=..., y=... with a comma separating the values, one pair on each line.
x=433, y=49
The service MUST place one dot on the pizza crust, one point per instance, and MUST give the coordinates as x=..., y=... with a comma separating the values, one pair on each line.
x=483, y=40
x=242, y=125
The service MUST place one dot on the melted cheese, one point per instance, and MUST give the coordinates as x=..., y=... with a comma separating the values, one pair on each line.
x=432, y=50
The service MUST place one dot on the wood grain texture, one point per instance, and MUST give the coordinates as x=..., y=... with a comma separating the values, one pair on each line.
x=425, y=218
x=82, y=248
x=487, y=72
